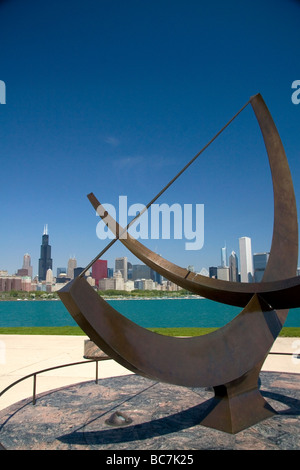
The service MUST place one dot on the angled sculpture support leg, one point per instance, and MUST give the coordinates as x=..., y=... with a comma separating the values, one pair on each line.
x=237, y=404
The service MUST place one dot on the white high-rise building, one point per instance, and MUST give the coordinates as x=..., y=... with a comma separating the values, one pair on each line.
x=223, y=273
x=223, y=256
x=49, y=276
x=246, y=260
x=72, y=264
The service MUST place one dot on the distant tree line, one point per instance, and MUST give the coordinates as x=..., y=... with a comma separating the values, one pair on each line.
x=41, y=295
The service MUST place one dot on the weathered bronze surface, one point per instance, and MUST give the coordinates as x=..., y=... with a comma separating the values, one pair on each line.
x=229, y=359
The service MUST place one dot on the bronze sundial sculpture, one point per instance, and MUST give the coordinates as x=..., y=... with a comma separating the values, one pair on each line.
x=230, y=358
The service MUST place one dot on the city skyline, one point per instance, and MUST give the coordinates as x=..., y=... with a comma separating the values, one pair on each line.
x=250, y=268
x=116, y=97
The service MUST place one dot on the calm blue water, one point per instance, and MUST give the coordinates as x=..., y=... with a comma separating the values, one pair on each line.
x=147, y=313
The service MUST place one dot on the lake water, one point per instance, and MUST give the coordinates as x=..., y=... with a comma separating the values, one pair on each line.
x=147, y=313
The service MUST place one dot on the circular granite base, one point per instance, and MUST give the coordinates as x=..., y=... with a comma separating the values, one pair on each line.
x=151, y=416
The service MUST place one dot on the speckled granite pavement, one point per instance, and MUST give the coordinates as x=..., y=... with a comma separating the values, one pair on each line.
x=163, y=417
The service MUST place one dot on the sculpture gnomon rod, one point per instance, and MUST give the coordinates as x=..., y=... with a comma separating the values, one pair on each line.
x=230, y=358
x=161, y=191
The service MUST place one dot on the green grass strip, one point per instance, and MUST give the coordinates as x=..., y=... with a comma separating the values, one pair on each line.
x=76, y=331
x=43, y=330
x=290, y=332
x=182, y=331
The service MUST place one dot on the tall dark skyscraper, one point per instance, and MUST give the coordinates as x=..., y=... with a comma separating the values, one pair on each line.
x=45, y=261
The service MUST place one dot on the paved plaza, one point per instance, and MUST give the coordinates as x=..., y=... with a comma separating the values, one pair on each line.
x=72, y=412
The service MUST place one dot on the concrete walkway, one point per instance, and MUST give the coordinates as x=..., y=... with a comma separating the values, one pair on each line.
x=21, y=355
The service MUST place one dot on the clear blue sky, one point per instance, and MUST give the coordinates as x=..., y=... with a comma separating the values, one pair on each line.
x=115, y=97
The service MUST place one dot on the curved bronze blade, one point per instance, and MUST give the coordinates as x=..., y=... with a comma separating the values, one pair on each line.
x=280, y=294
x=230, y=358
x=283, y=257
x=282, y=263
x=246, y=340
x=208, y=360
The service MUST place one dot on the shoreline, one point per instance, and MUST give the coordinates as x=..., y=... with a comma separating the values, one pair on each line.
x=197, y=297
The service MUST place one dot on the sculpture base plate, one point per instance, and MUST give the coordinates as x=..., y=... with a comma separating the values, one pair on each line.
x=164, y=417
